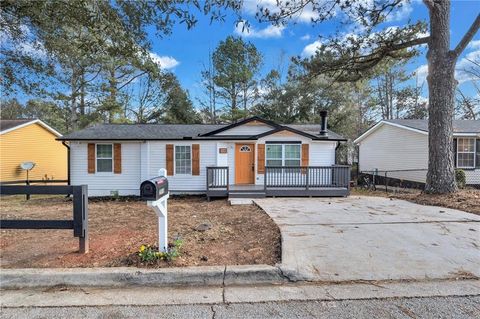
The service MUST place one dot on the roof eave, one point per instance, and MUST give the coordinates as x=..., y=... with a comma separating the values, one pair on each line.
x=40, y=122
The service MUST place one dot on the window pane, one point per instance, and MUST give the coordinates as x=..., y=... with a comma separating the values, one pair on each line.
x=274, y=162
x=465, y=159
x=104, y=165
x=292, y=151
x=183, y=164
x=274, y=151
x=292, y=162
x=466, y=145
x=104, y=151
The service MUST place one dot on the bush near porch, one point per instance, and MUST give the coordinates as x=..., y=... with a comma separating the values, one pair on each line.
x=238, y=234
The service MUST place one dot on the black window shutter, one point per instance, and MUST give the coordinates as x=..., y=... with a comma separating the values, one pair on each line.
x=477, y=160
x=455, y=152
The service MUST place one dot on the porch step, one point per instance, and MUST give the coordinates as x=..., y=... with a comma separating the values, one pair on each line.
x=245, y=194
x=240, y=201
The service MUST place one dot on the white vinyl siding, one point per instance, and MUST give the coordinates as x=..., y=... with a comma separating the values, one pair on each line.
x=142, y=160
x=183, y=183
x=321, y=153
x=395, y=148
x=103, y=184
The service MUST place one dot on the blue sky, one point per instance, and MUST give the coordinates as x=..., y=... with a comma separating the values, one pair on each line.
x=186, y=51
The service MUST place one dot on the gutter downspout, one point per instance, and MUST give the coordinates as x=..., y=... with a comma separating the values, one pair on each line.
x=68, y=161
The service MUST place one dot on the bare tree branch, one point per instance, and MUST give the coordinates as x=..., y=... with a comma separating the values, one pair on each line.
x=466, y=38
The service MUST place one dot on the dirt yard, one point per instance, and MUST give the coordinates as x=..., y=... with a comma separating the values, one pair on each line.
x=238, y=234
x=467, y=200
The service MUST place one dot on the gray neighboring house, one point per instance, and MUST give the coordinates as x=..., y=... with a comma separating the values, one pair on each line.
x=251, y=158
x=403, y=145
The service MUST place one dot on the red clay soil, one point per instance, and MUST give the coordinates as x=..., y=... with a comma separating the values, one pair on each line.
x=238, y=234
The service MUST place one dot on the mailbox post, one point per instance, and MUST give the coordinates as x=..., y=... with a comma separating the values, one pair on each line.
x=155, y=191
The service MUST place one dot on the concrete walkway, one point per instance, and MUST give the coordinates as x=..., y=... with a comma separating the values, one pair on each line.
x=374, y=238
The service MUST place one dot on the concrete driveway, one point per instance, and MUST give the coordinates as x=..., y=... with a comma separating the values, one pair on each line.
x=374, y=238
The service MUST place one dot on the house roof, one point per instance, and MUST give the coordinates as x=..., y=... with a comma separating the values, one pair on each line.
x=459, y=126
x=185, y=132
x=10, y=125
x=421, y=126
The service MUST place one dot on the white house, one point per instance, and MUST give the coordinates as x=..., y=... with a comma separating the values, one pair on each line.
x=402, y=146
x=218, y=160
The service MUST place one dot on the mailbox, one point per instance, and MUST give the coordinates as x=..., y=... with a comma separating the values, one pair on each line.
x=154, y=188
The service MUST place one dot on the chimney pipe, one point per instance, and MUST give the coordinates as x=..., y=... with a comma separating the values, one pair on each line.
x=323, y=125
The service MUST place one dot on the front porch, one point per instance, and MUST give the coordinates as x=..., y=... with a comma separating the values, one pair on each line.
x=298, y=181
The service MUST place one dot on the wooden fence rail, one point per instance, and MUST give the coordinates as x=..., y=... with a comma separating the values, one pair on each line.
x=79, y=224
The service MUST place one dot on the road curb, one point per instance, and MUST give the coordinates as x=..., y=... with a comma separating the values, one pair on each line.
x=131, y=276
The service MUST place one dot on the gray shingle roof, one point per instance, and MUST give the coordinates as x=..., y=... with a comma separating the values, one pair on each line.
x=169, y=132
x=459, y=126
x=8, y=124
x=314, y=129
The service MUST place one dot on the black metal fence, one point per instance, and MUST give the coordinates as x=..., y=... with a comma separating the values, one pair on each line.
x=79, y=223
x=392, y=180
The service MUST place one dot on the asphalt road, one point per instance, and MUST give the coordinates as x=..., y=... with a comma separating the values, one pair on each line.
x=431, y=307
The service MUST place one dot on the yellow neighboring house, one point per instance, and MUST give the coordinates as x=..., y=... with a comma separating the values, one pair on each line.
x=31, y=140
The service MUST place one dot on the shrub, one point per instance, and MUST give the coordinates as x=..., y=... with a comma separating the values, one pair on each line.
x=460, y=178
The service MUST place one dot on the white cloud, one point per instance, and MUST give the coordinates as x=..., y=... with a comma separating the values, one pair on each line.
x=306, y=37
x=465, y=64
x=311, y=48
x=401, y=13
x=474, y=44
x=165, y=62
x=26, y=44
x=270, y=31
x=421, y=72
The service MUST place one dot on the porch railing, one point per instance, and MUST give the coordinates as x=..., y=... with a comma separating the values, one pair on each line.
x=217, y=180
x=307, y=177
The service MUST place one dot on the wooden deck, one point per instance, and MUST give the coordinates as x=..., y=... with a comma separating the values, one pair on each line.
x=306, y=181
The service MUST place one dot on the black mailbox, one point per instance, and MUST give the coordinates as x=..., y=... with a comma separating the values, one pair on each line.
x=154, y=188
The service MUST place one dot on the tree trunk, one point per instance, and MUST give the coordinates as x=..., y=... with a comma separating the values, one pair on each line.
x=82, y=91
x=73, y=105
x=441, y=87
x=113, y=95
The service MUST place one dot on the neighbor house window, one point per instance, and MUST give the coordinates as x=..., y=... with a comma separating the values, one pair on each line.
x=283, y=155
x=183, y=159
x=466, y=153
x=104, y=158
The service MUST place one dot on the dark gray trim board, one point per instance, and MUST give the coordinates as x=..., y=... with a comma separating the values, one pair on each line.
x=283, y=142
x=321, y=192
x=251, y=119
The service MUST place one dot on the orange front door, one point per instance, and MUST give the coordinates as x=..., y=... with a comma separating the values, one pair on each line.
x=244, y=163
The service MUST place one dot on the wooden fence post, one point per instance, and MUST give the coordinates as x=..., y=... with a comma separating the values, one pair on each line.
x=80, y=217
